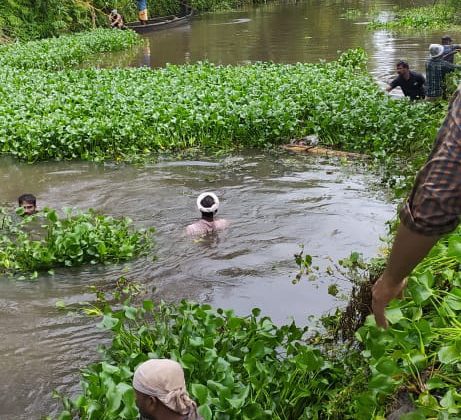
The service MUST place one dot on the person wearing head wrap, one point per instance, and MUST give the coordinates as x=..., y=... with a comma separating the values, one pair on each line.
x=436, y=70
x=161, y=393
x=208, y=204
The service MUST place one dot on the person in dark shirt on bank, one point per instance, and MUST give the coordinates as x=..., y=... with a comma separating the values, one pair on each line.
x=411, y=83
x=449, y=49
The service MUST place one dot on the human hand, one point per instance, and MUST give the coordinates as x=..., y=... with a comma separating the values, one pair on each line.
x=383, y=291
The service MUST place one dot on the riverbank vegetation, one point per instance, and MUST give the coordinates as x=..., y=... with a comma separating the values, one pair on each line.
x=29, y=244
x=65, y=51
x=245, y=367
x=130, y=114
x=438, y=16
x=21, y=19
x=236, y=367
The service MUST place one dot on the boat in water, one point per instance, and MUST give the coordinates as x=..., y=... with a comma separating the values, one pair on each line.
x=163, y=22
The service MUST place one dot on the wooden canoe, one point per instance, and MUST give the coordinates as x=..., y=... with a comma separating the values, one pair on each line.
x=316, y=150
x=160, y=23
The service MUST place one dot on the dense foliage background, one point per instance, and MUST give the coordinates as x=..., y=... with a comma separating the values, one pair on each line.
x=33, y=19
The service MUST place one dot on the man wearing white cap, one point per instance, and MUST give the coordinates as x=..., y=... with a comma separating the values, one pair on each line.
x=436, y=70
x=161, y=392
x=208, y=204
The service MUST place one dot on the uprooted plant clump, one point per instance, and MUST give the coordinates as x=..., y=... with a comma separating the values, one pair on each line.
x=46, y=240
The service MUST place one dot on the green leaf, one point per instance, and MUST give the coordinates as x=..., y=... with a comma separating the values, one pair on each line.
x=394, y=315
x=449, y=355
x=108, y=322
x=386, y=366
x=200, y=392
x=205, y=412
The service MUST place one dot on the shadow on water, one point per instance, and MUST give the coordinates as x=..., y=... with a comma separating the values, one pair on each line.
x=274, y=202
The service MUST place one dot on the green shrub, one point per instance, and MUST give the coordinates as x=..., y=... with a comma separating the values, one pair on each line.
x=123, y=114
x=440, y=16
x=65, y=51
x=236, y=367
x=421, y=350
x=45, y=240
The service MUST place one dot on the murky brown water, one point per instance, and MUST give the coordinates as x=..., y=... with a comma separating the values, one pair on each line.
x=287, y=32
x=274, y=202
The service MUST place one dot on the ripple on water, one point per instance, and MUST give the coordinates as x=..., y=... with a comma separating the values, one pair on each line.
x=274, y=203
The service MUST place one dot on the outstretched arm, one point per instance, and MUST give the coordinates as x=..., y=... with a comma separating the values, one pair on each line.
x=408, y=250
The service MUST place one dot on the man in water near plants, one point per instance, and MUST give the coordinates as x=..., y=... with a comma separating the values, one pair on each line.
x=449, y=49
x=208, y=204
x=432, y=210
x=142, y=11
x=161, y=393
x=116, y=20
x=436, y=70
x=411, y=83
x=29, y=203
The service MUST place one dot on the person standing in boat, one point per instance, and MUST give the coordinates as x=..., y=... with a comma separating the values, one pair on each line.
x=142, y=11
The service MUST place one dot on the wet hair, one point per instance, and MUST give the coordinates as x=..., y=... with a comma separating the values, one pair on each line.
x=446, y=38
x=403, y=64
x=207, y=202
x=27, y=198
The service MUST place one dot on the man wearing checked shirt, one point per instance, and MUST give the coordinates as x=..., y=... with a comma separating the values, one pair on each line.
x=436, y=70
x=432, y=210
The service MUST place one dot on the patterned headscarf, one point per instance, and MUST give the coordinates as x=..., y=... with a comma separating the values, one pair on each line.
x=164, y=379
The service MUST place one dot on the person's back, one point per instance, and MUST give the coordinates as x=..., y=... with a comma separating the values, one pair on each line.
x=208, y=204
x=204, y=227
x=436, y=70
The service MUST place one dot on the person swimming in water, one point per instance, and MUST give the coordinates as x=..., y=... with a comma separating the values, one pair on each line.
x=29, y=204
x=208, y=204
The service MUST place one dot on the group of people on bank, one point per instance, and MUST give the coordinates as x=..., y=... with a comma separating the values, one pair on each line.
x=433, y=87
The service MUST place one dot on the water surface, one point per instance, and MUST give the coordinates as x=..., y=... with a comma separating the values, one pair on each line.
x=274, y=203
x=288, y=32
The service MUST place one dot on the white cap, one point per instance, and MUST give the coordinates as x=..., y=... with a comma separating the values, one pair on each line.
x=114, y=12
x=211, y=209
x=435, y=50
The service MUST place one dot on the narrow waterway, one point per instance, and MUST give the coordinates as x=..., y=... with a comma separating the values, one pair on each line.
x=274, y=203
x=288, y=32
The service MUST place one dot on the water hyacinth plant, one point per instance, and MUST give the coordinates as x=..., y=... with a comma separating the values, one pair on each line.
x=123, y=114
x=420, y=353
x=65, y=51
x=46, y=240
x=236, y=367
x=248, y=368
x=438, y=16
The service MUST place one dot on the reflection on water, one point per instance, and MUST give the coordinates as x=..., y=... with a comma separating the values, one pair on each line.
x=287, y=32
x=274, y=204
